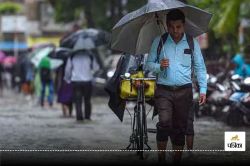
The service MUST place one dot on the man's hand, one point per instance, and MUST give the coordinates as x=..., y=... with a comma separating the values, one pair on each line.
x=164, y=63
x=202, y=99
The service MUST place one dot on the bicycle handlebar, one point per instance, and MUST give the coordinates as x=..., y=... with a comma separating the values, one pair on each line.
x=138, y=79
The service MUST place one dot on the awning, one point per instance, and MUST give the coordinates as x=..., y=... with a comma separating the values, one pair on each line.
x=11, y=45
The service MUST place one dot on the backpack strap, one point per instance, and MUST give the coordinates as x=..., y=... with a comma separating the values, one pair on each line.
x=190, y=41
x=162, y=41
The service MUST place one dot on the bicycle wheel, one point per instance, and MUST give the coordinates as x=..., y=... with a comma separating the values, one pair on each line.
x=140, y=132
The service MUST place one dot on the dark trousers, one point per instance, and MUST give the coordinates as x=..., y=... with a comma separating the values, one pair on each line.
x=82, y=90
x=51, y=92
x=173, y=109
x=190, y=122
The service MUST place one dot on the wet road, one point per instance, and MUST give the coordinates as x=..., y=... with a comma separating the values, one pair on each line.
x=29, y=134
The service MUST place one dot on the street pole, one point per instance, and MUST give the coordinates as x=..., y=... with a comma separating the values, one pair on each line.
x=15, y=39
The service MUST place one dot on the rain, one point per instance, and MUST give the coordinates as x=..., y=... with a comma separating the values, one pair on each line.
x=52, y=118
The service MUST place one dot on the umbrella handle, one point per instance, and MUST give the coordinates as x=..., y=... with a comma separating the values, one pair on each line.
x=159, y=23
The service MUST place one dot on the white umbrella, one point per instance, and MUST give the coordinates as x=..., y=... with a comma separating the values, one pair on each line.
x=43, y=53
x=55, y=63
x=39, y=54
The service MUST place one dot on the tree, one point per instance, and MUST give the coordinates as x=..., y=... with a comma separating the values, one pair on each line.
x=10, y=8
x=98, y=13
x=227, y=15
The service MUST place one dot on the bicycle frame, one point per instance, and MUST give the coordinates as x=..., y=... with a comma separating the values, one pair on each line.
x=139, y=136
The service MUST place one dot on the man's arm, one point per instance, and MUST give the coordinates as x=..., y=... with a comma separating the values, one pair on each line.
x=96, y=65
x=151, y=63
x=201, y=71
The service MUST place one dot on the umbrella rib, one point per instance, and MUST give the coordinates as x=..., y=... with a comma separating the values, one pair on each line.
x=139, y=26
x=144, y=22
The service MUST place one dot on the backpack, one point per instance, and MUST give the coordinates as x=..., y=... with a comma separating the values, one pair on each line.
x=190, y=44
x=89, y=54
x=45, y=74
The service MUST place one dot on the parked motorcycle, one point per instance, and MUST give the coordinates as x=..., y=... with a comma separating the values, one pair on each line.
x=239, y=112
x=218, y=92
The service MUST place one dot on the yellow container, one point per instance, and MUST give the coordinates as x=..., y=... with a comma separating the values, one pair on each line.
x=129, y=91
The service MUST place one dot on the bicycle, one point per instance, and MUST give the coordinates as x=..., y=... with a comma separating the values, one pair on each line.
x=139, y=137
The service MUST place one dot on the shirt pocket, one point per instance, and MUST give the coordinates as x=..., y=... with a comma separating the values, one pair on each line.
x=185, y=60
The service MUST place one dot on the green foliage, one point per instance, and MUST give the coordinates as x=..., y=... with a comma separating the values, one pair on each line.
x=244, y=10
x=209, y=6
x=226, y=14
x=225, y=20
x=66, y=11
x=10, y=8
x=100, y=15
x=69, y=10
x=205, y=4
x=228, y=23
x=133, y=5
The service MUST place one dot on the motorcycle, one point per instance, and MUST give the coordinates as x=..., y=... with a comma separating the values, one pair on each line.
x=239, y=112
x=217, y=93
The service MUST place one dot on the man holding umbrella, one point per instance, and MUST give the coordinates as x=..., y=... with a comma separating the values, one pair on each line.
x=172, y=57
x=173, y=95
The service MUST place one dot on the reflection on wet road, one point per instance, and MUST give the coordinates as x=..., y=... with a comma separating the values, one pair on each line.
x=26, y=126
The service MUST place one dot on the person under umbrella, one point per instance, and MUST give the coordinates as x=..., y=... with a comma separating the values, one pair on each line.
x=90, y=38
x=2, y=56
x=79, y=70
x=143, y=27
x=1, y=79
x=175, y=90
x=64, y=89
x=46, y=80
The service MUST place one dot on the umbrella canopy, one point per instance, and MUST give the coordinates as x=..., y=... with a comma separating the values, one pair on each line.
x=85, y=39
x=40, y=58
x=135, y=32
x=2, y=56
x=49, y=63
x=38, y=54
x=61, y=53
x=9, y=61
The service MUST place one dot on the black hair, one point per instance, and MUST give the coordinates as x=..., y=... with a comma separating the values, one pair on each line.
x=174, y=15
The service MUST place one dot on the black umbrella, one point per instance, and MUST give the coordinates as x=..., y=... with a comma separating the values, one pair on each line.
x=61, y=53
x=86, y=39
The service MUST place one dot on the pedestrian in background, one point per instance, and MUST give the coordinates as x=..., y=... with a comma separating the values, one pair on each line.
x=1, y=79
x=79, y=70
x=46, y=81
x=64, y=92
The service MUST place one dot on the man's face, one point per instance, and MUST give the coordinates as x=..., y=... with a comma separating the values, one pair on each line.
x=175, y=29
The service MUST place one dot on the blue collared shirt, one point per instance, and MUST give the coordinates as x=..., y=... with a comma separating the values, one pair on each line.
x=179, y=71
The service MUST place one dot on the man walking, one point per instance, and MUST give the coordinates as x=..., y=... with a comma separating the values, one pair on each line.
x=173, y=95
x=79, y=70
